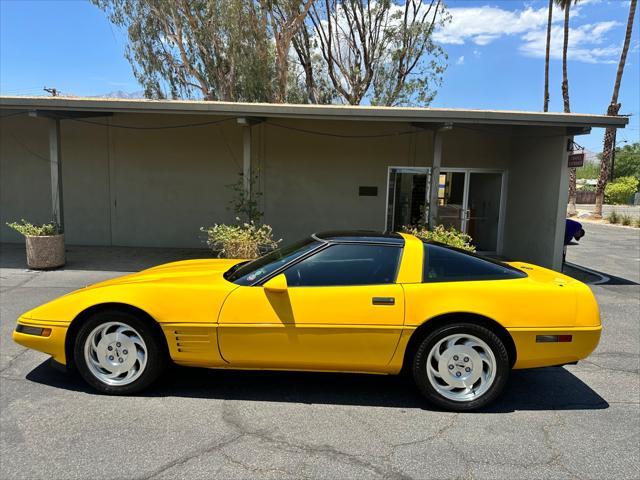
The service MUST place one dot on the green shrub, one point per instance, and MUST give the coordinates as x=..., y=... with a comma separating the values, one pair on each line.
x=589, y=170
x=625, y=220
x=240, y=241
x=636, y=223
x=245, y=207
x=440, y=234
x=613, y=217
x=30, y=230
x=621, y=190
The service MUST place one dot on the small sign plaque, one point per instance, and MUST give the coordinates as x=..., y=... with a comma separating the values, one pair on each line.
x=576, y=160
x=364, y=191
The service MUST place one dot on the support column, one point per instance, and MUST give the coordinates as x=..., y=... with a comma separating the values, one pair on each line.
x=435, y=177
x=246, y=155
x=55, y=159
x=246, y=161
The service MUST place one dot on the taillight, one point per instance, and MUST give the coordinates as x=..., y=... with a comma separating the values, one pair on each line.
x=554, y=338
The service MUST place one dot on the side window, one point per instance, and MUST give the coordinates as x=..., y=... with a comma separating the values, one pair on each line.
x=346, y=264
x=442, y=264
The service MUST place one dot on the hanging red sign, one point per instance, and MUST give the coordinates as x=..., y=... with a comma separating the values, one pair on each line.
x=576, y=160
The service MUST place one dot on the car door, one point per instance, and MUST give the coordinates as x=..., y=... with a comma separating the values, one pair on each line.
x=341, y=310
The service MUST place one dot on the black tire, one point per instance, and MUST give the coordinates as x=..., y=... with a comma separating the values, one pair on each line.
x=502, y=367
x=156, y=352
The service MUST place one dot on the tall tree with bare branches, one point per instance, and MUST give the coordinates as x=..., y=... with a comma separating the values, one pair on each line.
x=286, y=17
x=233, y=50
x=318, y=51
x=374, y=49
x=613, y=110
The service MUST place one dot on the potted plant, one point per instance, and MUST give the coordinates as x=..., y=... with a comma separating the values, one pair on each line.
x=246, y=239
x=45, y=244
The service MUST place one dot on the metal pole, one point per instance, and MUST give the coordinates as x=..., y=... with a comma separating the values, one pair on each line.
x=55, y=158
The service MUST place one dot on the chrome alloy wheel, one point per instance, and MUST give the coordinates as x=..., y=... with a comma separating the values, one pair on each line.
x=461, y=367
x=115, y=353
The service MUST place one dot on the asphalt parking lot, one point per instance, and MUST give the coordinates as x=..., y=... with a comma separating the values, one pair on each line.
x=579, y=421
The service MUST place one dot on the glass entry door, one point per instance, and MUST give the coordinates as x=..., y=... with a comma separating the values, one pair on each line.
x=407, y=197
x=483, y=209
x=470, y=201
x=451, y=200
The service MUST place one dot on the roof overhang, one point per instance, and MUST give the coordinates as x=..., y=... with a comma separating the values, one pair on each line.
x=320, y=112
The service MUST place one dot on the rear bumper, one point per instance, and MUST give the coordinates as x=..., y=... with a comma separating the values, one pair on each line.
x=53, y=344
x=532, y=354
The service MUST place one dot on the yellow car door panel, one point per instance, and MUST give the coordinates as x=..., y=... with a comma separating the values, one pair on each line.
x=321, y=313
x=321, y=328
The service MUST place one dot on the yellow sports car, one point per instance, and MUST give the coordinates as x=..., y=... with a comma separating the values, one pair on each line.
x=337, y=301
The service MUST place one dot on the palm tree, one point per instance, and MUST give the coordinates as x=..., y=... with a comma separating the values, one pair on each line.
x=566, y=6
x=612, y=110
x=546, y=60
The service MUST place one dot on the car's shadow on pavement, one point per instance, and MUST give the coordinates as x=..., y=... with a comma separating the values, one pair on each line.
x=540, y=389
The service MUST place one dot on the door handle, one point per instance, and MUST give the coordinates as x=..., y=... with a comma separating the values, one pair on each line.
x=383, y=301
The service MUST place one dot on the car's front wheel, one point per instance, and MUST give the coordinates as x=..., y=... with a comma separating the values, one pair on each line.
x=118, y=353
x=461, y=367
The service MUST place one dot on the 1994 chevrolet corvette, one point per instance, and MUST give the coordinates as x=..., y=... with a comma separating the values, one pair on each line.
x=337, y=301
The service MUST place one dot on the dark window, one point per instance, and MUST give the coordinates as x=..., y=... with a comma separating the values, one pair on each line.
x=342, y=264
x=444, y=264
x=249, y=273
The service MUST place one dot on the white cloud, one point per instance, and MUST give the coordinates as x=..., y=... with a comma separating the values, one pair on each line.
x=586, y=43
x=484, y=25
x=460, y=60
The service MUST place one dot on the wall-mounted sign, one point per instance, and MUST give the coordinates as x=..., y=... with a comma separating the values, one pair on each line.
x=576, y=160
x=368, y=191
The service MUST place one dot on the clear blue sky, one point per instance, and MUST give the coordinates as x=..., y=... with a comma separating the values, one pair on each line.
x=495, y=48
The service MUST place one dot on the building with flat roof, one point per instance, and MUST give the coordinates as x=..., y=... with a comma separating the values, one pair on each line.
x=151, y=172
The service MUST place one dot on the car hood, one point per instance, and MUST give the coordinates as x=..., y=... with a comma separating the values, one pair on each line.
x=182, y=271
x=160, y=291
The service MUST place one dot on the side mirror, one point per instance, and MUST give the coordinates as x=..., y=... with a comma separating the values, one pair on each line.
x=277, y=284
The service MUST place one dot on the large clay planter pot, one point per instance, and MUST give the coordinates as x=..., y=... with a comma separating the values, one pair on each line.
x=45, y=251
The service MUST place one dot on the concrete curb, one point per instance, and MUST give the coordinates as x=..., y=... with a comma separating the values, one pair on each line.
x=603, y=278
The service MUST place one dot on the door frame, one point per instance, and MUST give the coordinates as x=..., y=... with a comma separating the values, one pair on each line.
x=409, y=169
x=503, y=198
x=465, y=200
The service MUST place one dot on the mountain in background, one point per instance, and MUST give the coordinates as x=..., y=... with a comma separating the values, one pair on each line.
x=591, y=157
x=121, y=94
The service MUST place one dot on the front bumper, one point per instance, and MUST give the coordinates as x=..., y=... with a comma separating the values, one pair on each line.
x=53, y=344
x=533, y=354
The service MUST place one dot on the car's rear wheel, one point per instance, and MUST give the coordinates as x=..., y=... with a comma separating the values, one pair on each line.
x=118, y=353
x=461, y=367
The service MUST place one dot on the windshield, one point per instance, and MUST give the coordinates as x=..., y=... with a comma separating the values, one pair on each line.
x=248, y=273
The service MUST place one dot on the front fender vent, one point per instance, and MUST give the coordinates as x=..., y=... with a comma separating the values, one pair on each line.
x=193, y=345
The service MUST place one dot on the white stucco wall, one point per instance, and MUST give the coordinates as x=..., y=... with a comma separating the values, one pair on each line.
x=141, y=187
x=311, y=182
x=537, y=196
x=122, y=186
